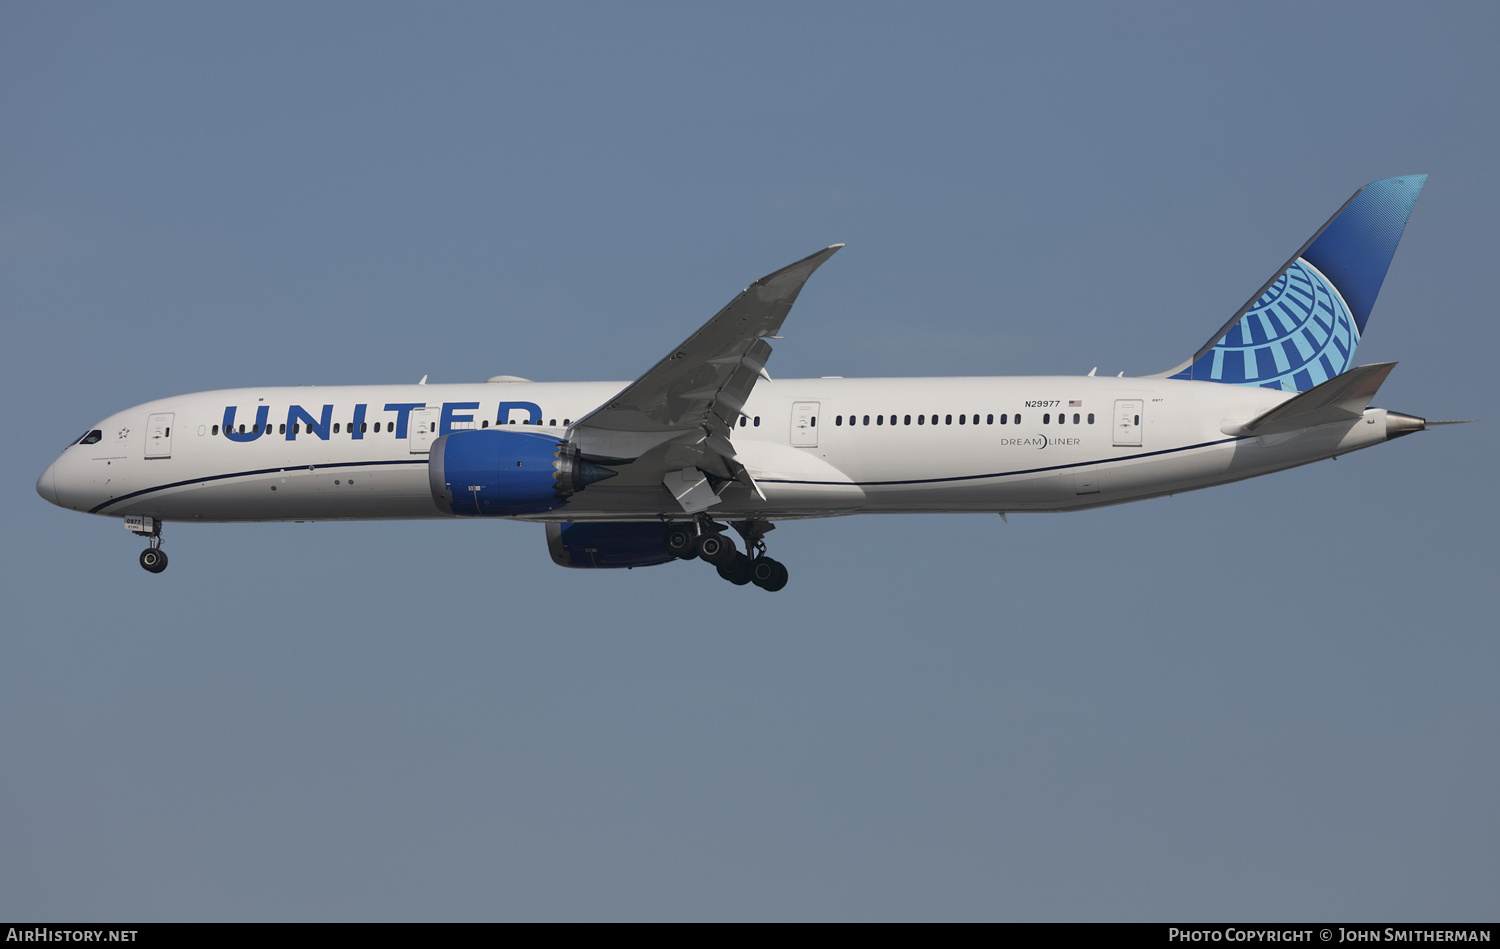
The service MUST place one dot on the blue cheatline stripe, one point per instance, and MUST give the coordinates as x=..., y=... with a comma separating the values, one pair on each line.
x=1008, y=474
x=978, y=477
x=250, y=474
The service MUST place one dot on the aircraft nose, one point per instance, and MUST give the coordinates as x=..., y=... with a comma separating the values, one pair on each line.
x=46, y=485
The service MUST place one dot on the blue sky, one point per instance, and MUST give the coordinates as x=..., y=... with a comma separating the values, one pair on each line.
x=1271, y=700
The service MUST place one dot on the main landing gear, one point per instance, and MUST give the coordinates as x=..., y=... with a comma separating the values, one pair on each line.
x=153, y=558
x=705, y=540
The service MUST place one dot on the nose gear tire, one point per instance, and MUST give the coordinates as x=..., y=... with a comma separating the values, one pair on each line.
x=154, y=559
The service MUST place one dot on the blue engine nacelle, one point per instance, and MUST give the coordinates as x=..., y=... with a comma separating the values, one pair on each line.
x=634, y=544
x=494, y=473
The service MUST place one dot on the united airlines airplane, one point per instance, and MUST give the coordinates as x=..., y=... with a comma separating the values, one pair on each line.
x=630, y=475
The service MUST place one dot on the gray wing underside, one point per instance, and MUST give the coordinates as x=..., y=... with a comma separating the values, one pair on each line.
x=682, y=411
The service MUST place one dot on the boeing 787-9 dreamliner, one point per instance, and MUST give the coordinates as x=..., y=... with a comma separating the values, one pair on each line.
x=655, y=470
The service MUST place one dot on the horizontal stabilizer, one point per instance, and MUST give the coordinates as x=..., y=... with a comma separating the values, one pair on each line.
x=1343, y=398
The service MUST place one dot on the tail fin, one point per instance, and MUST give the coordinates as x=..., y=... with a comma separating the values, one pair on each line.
x=1301, y=328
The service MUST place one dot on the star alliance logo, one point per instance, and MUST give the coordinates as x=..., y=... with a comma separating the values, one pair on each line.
x=124, y=432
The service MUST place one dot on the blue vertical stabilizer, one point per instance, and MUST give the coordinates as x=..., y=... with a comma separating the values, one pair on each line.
x=1302, y=327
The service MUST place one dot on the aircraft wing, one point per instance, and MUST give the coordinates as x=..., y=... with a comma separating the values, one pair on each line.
x=680, y=414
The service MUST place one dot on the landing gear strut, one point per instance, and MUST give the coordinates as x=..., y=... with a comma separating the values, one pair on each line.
x=153, y=558
x=708, y=541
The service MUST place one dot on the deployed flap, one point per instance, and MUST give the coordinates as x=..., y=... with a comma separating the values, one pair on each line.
x=1341, y=399
x=697, y=391
x=691, y=489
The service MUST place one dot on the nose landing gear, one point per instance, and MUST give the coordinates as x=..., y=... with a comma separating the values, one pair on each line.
x=153, y=558
x=709, y=542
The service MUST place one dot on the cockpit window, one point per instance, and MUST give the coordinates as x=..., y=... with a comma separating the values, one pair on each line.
x=91, y=437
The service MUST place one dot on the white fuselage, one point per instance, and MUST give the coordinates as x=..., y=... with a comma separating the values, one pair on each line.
x=1043, y=443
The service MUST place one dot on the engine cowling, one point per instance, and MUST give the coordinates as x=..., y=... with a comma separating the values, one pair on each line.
x=633, y=544
x=493, y=473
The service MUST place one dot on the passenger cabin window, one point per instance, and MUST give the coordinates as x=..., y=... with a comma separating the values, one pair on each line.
x=947, y=420
x=1091, y=418
x=1046, y=417
x=216, y=429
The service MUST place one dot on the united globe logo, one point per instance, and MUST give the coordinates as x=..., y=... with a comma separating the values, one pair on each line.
x=1298, y=334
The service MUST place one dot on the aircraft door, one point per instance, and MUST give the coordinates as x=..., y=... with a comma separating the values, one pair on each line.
x=159, y=435
x=1128, y=421
x=424, y=423
x=805, y=424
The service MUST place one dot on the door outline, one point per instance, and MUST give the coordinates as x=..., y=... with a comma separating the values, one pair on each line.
x=1127, y=422
x=159, y=435
x=424, y=423
x=805, y=424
